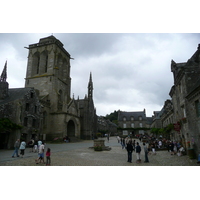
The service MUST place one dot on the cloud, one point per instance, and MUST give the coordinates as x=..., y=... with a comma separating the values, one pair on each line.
x=130, y=71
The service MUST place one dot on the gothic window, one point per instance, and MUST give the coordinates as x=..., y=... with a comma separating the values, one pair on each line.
x=25, y=121
x=124, y=118
x=132, y=118
x=60, y=66
x=43, y=62
x=197, y=108
x=36, y=63
x=27, y=107
x=35, y=109
x=33, y=122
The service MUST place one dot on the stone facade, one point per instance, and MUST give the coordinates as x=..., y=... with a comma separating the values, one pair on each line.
x=131, y=122
x=183, y=110
x=22, y=107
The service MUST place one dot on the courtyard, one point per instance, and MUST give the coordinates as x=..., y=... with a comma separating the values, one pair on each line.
x=80, y=154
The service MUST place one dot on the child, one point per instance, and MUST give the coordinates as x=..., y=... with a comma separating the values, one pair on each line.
x=48, y=153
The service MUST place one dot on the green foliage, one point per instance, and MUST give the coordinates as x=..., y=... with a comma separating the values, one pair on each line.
x=98, y=134
x=98, y=148
x=6, y=125
x=113, y=117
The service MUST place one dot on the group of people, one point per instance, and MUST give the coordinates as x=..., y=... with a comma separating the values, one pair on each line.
x=35, y=146
x=131, y=145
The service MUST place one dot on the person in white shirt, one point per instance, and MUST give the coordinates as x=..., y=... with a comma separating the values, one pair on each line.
x=40, y=153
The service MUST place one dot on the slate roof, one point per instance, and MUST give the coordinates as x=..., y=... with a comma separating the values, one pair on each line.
x=14, y=94
x=128, y=115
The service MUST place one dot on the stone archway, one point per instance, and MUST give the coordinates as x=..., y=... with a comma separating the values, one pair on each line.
x=71, y=129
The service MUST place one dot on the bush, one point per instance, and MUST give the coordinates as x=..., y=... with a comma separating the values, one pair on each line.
x=98, y=134
x=98, y=148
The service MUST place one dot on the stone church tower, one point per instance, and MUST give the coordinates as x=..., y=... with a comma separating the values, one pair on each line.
x=48, y=71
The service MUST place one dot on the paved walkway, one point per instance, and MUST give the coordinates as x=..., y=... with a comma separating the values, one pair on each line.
x=79, y=154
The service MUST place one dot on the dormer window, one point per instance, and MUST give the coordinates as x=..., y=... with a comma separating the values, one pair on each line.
x=132, y=118
x=124, y=118
x=140, y=118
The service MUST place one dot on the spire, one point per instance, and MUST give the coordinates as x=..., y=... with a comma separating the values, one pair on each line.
x=90, y=87
x=4, y=73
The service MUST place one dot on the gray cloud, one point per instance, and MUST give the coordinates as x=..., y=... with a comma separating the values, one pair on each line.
x=130, y=71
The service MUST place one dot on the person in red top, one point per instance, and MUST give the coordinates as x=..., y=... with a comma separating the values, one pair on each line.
x=48, y=154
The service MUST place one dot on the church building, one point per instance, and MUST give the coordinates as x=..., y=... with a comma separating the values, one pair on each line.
x=48, y=73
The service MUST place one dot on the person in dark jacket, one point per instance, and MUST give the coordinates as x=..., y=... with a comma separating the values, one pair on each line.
x=138, y=150
x=129, y=149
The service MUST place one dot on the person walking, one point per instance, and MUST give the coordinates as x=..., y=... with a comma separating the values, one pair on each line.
x=22, y=148
x=129, y=150
x=138, y=150
x=48, y=154
x=16, y=146
x=40, y=154
x=146, y=153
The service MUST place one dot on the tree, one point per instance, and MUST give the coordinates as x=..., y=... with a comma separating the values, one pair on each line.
x=113, y=117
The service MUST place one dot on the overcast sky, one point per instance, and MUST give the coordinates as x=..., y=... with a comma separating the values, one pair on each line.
x=130, y=71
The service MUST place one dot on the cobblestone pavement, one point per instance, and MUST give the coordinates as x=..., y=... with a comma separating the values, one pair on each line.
x=79, y=154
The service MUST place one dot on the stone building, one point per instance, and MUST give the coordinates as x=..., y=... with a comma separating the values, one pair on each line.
x=183, y=110
x=133, y=122
x=21, y=106
x=48, y=73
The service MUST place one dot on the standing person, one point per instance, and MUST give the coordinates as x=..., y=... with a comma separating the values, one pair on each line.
x=108, y=137
x=39, y=143
x=171, y=146
x=153, y=147
x=16, y=146
x=40, y=154
x=35, y=146
x=22, y=148
x=123, y=143
x=48, y=154
x=129, y=150
x=31, y=145
x=138, y=150
x=159, y=144
x=134, y=145
x=146, y=153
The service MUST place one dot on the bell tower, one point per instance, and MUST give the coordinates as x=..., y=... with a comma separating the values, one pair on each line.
x=48, y=71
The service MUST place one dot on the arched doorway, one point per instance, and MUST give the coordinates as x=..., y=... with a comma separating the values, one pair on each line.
x=71, y=129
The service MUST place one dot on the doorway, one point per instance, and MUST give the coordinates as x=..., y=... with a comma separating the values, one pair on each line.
x=71, y=129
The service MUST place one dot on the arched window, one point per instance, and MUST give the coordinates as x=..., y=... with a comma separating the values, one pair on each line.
x=36, y=63
x=43, y=62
